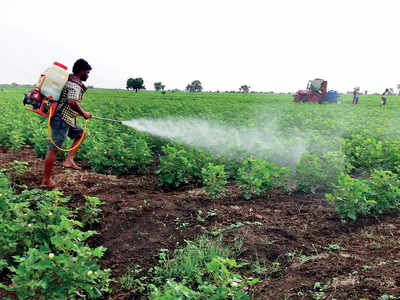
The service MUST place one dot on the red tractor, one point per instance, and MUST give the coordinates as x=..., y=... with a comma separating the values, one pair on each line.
x=316, y=92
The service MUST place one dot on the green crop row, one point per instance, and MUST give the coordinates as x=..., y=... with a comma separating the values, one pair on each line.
x=317, y=142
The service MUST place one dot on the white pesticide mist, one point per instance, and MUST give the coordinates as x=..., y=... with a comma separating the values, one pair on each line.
x=262, y=141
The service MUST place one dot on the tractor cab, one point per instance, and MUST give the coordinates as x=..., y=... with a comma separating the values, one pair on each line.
x=316, y=92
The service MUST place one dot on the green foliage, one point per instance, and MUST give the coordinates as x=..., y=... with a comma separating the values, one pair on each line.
x=4, y=137
x=174, y=167
x=172, y=290
x=194, y=86
x=180, y=166
x=44, y=250
x=66, y=274
x=324, y=140
x=90, y=211
x=223, y=284
x=40, y=141
x=16, y=169
x=256, y=176
x=233, y=226
x=319, y=172
x=119, y=155
x=134, y=280
x=135, y=84
x=201, y=270
x=214, y=180
x=17, y=140
x=159, y=86
x=360, y=197
x=369, y=152
x=19, y=168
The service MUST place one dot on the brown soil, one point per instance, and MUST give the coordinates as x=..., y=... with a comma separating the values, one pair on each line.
x=299, y=232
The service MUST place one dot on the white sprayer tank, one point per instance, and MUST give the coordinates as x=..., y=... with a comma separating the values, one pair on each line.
x=54, y=80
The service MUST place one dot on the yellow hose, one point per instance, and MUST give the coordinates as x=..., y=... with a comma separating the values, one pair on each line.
x=52, y=141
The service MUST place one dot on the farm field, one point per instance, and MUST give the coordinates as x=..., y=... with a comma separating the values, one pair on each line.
x=305, y=196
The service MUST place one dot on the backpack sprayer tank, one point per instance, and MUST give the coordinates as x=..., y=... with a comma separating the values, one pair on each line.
x=48, y=89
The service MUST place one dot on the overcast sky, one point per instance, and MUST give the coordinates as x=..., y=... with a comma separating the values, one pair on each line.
x=267, y=44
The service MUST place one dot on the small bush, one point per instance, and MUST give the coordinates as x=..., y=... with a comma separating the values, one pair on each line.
x=214, y=180
x=175, y=167
x=360, y=197
x=201, y=270
x=257, y=176
x=319, y=172
x=117, y=155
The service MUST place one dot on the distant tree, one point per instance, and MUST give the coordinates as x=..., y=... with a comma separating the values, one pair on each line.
x=159, y=86
x=398, y=89
x=391, y=91
x=244, y=88
x=189, y=88
x=195, y=86
x=129, y=83
x=135, y=84
x=14, y=84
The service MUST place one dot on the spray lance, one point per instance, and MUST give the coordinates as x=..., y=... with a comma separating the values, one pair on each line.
x=106, y=119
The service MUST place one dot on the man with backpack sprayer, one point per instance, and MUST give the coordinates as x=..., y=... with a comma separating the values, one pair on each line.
x=63, y=121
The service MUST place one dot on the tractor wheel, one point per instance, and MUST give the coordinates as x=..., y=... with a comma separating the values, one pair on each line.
x=314, y=98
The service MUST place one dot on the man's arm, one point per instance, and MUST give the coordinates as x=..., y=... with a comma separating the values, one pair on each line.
x=76, y=106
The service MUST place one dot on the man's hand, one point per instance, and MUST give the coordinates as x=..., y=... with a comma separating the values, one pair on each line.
x=87, y=115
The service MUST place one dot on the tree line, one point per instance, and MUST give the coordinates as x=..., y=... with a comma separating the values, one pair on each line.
x=193, y=87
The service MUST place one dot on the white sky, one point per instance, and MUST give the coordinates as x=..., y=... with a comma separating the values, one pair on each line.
x=268, y=44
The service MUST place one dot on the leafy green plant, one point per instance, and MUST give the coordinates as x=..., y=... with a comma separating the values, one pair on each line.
x=203, y=217
x=233, y=226
x=17, y=140
x=43, y=249
x=351, y=197
x=119, y=154
x=174, y=167
x=19, y=167
x=16, y=169
x=42, y=274
x=319, y=172
x=90, y=211
x=201, y=270
x=319, y=290
x=134, y=279
x=266, y=269
x=256, y=176
x=355, y=197
x=214, y=180
x=40, y=140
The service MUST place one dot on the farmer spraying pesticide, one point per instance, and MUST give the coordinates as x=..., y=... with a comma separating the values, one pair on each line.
x=57, y=96
x=63, y=121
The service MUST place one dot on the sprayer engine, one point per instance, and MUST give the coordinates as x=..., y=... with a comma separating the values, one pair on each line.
x=40, y=104
x=33, y=98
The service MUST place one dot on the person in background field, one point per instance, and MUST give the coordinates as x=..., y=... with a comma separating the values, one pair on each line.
x=63, y=122
x=383, y=98
x=355, y=95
